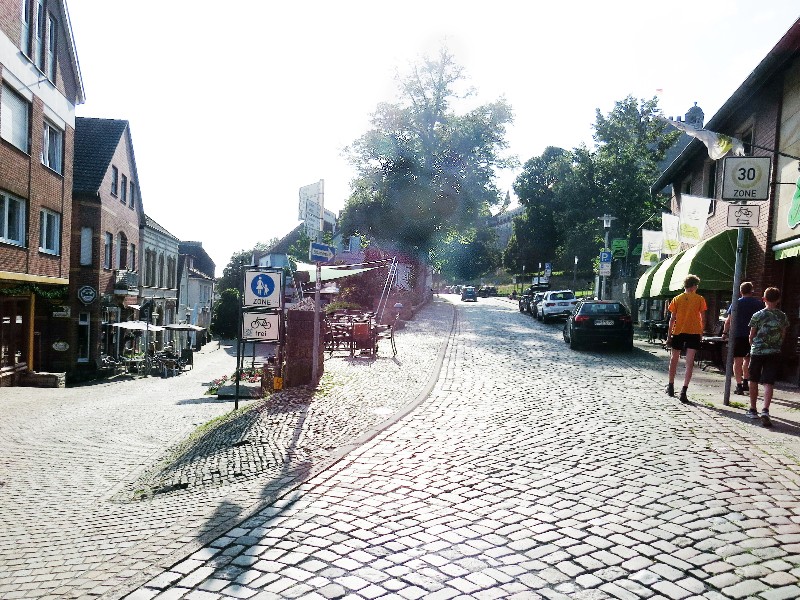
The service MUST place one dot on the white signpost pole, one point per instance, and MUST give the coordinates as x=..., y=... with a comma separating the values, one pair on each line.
x=317, y=289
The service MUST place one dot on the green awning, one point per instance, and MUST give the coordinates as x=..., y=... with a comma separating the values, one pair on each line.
x=712, y=260
x=787, y=252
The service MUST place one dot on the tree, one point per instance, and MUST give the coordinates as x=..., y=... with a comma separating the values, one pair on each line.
x=225, y=321
x=424, y=171
x=468, y=257
x=234, y=271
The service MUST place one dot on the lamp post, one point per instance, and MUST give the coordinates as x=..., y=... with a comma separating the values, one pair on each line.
x=606, y=219
x=575, y=273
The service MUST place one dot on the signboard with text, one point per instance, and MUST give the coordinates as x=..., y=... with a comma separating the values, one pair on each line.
x=746, y=178
x=743, y=215
x=263, y=289
x=264, y=327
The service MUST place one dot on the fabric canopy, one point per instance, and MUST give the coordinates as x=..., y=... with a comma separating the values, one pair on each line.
x=712, y=260
x=183, y=327
x=329, y=273
x=137, y=325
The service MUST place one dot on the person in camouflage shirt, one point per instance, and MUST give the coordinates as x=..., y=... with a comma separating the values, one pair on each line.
x=767, y=328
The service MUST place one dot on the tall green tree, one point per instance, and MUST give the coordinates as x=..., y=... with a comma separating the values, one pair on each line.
x=469, y=256
x=424, y=170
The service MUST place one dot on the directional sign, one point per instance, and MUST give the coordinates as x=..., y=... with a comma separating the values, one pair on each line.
x=605, y=257
x=743, y=215
x=320, y=252
x=746, y=178
x=263, y=288
x=264, y=327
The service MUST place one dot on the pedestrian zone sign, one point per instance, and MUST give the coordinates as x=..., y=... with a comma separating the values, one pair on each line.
x=263, y=288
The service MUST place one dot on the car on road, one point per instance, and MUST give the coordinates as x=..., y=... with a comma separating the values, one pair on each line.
x=599, y=322
x=533, y=306
x=524, y=299
x=469, y=293
x=487, y=290
x=556, y=304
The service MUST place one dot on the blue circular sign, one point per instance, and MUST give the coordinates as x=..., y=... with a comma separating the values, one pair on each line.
x=262, y=286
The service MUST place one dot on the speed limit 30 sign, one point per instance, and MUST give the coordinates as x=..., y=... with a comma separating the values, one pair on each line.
x=746, y=178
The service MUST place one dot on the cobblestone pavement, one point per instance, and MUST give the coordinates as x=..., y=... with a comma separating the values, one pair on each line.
x=530, y=471
x=71, y=460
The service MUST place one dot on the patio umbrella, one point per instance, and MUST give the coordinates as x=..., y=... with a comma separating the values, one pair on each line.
x=137, y=325
x=183, y=327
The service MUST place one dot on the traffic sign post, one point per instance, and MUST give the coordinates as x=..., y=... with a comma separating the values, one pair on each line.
x=605, y=270
x=746, y=178
x=743, y=215
x=320, y=252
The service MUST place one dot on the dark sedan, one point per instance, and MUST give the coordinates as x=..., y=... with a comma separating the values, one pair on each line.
x=597, y=322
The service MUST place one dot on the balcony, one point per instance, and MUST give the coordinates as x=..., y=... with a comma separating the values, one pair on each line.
x=126, y=283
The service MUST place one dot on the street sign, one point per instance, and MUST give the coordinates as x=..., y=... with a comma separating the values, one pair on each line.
x=605, y=269
x=743, y=215
x=746, y=178
x=548, y=269
x=263, y=288
x=264, y=327
x=605, y=256
x=320, y=252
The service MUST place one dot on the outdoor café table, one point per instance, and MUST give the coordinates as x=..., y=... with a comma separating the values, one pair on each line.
x=134, y=364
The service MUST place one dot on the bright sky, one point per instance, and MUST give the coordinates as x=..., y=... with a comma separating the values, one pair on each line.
x=234, y=106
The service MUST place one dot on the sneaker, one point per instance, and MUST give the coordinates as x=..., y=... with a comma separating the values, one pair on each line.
x=752, y=413
x=684, y=398
x=745, y=385
x=739, y=391
x=765, y=413
x=671, y=389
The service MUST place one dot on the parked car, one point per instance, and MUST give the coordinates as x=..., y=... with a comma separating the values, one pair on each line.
x=487, y=290
x=533, y=307
x=469, y=293
x=556, y=304
x=597, y=322
x=523, y=299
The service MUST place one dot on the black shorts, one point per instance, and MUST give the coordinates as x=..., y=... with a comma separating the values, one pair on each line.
x=690, y=341
x=764, y=367
x=741, y=347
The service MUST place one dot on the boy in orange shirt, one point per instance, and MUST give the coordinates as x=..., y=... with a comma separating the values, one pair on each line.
x=686, y=325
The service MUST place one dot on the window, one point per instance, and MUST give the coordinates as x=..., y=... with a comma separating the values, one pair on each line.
x=114, y=180
x=83, y=337
x=14, y=118
x=122, y=251
x=170, y=272
x=25, y=37
x=49, y=232
x=149, y=268
x=109, y=242
x=747, y=140
x=161, y=270
x=52, y=147
x=52, y=38
x=123, y=188
x=132, y=266
x=686, y=187
x=86, y=246
x=133, y=195
x=38, y=40
x=711, y=187
x=12, y=220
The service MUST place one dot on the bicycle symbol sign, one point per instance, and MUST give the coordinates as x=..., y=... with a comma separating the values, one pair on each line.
x=264, y=327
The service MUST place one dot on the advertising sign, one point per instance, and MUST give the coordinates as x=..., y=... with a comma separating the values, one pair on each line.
x=264, y=327
x=263, y=288
x=746, y=178
x=87, y=294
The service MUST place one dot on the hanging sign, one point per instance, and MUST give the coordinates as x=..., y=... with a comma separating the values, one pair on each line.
x=87, y=294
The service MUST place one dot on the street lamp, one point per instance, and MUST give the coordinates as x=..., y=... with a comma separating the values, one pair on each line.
x=606, y=219
x=575, y=273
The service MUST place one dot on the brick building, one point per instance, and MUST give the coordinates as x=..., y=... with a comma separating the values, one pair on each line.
x=764, y=112
x=105, y=239
x=40, y=85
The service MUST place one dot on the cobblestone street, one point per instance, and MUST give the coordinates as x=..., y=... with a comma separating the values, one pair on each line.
x=528, y=471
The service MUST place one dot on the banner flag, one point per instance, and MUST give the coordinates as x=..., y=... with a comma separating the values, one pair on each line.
x=694, y=214
x=670, y=226
x=652, y=241
x=718, y=144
